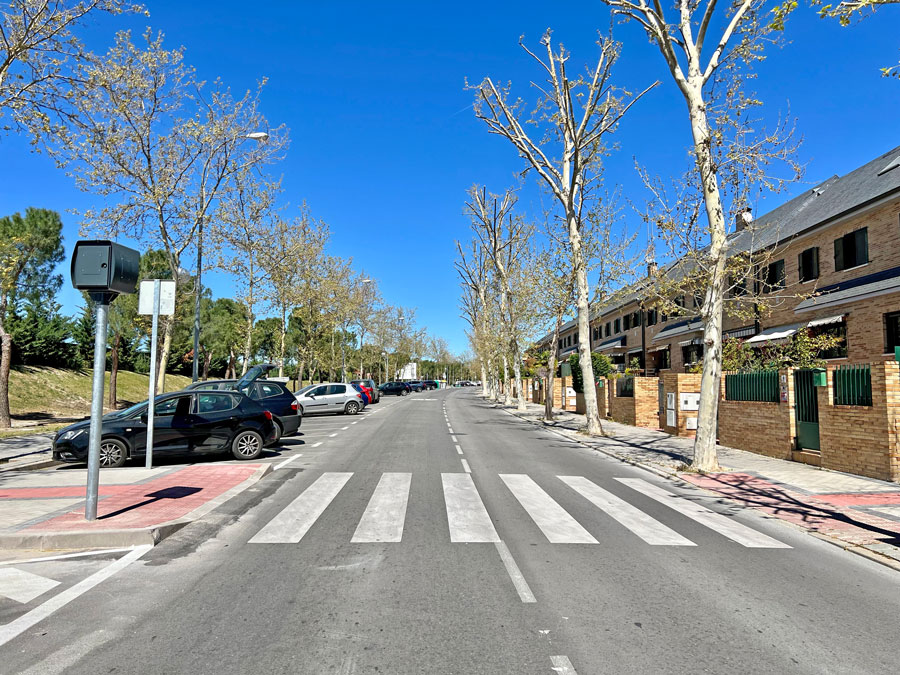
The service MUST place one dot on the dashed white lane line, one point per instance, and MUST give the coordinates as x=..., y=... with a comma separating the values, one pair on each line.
x=453, y=438
x=41, y=612
x=466, y=466
x=354, y=422
x=459, y=450
x=332, y=435
x=451, y=431
x=287, y=461
x=522, y=588
x=562, y=665
x=316, y=445
x=344, y=428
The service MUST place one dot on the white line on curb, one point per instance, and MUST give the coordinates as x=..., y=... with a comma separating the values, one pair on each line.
x=525, y=594
x=42, y=611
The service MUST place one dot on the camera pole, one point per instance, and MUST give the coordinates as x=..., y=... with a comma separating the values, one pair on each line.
x=101, y=304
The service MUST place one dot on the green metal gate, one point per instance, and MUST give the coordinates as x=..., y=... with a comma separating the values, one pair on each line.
x=806, y=406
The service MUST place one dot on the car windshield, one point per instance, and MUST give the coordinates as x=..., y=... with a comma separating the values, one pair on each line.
x=305, y=389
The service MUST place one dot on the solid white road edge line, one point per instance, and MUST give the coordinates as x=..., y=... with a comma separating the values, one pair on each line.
x=562, y=665
x=60, y=600
x=287, y=461
x=515, y=575
x=67, y=555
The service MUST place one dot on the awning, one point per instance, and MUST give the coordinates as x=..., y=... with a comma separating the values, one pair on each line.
x=827, y=321
x=775, y=334
x=634, y=351
x=664, y=348
x=613, y=343
x=868, y=286
x=681, y=328
x=692, y=341
x=746, y=331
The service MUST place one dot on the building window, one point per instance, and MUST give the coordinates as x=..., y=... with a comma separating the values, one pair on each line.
x=851, y=250
x=608, y=328
x=738, y=286
x=636, y=319
x=597, y=333
x=651, y=317
x=891, y=331
x=663, y=359
x=772, y=277
x=838, y=330
x=560, y=344
x=618, y=326
x=692, y=354
x=808, y=264
x=698, y=299
x=627, y=321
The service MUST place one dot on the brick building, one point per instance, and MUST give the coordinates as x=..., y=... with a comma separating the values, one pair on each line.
x=832, y=264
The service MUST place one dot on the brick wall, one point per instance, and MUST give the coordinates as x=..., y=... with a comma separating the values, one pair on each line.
x=678, y=383
x=864, y=440
x=758, y=426
x=639, y=410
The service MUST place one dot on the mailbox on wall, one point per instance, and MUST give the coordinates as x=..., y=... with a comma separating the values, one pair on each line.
x=689, y=401
x=103, y=266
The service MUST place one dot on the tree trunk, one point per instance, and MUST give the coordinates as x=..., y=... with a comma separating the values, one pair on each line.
x=229, y=368
x=705, y=456
x=5, y=363
x=248, y=343
x=505, y=387
x=283, y=336
x=582, y=303
x=551, y=371
x=164, y=355
x=485, y=386
x=207, y=359
x=517, y=374
x=113, y=371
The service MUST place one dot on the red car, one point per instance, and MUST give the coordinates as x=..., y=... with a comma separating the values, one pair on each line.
x=368, y=394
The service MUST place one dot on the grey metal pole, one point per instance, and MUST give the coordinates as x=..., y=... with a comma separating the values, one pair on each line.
x=195, y=368
x=343, y=361
x=93, y=477
x=151, y=398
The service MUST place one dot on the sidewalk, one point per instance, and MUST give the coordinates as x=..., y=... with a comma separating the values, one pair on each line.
x=45, y=509
x=860, y=514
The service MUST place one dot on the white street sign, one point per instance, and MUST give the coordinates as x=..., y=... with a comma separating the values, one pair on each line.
x=166, y=297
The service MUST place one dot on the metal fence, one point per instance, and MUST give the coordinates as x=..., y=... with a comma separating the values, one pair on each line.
x=758, y=385
x=853, y=384
x=625, y=387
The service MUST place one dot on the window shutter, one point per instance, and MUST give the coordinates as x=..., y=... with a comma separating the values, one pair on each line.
x=814, y=266
x=838, y=254
x=779, y=274
x=801, y=267
x=862, y=246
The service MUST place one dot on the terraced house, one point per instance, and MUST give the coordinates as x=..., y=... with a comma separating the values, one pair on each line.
x=832, y=264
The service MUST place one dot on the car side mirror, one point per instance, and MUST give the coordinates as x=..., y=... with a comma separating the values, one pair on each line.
x=144, y=418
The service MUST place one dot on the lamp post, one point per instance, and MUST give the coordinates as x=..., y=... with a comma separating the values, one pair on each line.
x=259, y=137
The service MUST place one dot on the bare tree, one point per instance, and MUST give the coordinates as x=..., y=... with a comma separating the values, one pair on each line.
x=473, y=268
x=574, y=116
x=706, y=68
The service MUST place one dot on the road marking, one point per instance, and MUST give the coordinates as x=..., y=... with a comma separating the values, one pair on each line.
x=287, y=461
x=42, y=611
x=453, y=438
x=23, y=586
x=647, y=528
x=329, y=435
x=725, y=526
x=450, y=430
x=467, y=518
x=344, y=428
x=459, y=450
x=562, y=665
x=316, y=445
x=522, y=588
x=385, y=515
x=466, y=466
x=80, y=554
x=553, y=520
x=289, y=526
x=354, y=422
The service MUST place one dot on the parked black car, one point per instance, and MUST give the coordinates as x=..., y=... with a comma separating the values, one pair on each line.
x=396, y=388
x=185, y=422
x=271, y=395
x=430, y=384
x=415, y=385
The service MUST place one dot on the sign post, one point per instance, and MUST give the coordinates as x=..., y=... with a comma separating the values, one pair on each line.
x=157, y=297
x=104, y=269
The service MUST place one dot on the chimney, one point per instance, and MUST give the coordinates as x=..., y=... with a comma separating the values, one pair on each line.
x=652, y=268
x=743, y=218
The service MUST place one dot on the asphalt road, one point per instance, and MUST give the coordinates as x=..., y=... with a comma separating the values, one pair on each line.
x=441, y=535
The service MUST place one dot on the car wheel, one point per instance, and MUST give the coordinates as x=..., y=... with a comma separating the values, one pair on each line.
x=113, y=453
x=247, y=445
x=278, y=432
x=352, y=408
x=404, y=392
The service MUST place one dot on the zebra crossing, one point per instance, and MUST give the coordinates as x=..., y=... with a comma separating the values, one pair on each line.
x=469, y=521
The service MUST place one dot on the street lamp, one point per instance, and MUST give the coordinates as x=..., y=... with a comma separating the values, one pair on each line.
x=259, y=137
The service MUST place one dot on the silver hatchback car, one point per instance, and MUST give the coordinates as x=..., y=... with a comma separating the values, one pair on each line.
x=329, y=397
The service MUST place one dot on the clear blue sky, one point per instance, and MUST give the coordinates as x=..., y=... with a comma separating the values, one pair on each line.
x=384, y=145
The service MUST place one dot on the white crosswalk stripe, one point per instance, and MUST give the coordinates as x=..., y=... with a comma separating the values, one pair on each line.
x=23, y=586
x=648, y=529
x=386, y=513
x=725, y=526
x=555, y=522
x=467, y=518
x=289, y=526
